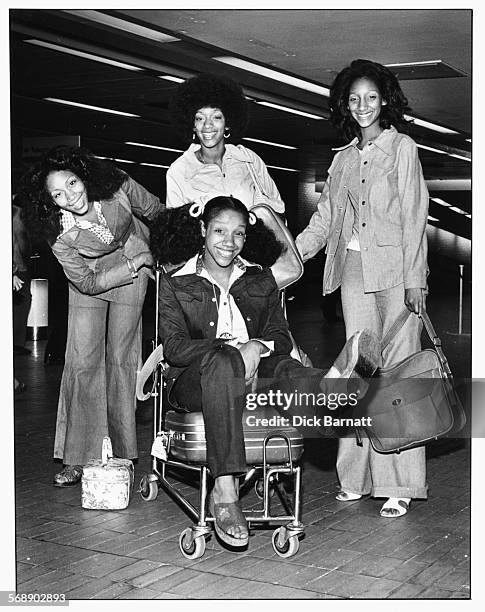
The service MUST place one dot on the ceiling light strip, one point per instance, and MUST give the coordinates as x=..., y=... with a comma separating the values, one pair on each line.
x=150, y=146
x=424, y=63
x=90, y=107
x=286, y=109
x=153, y=165
x=82, y=54
x=275, y=75
x=421, y=146
x=430, y=218
x=281, y=168
x=116, y=159
x=123, y=24
x=169, y=77
x=271, y=144
x=429, y=125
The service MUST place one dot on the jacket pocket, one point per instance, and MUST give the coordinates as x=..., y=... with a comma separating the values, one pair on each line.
x=389, y=236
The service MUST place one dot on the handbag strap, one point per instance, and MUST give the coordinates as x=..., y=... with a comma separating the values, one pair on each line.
x=399, y=322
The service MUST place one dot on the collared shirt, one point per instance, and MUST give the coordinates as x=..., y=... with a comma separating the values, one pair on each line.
x=190, y=180
x=230, y=322
x=100, y=229
x=392, y=214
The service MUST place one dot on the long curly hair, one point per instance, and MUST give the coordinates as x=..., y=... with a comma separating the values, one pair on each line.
x=100, y=177
x=213, y=91
x=388, y=85
x=175, y=235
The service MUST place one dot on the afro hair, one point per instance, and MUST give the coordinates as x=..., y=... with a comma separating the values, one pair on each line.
x=213, y=91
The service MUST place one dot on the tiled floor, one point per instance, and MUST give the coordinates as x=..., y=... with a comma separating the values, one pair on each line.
x=348, y=551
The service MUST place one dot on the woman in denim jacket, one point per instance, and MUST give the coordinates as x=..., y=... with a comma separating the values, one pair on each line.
x=372, y=218
x=89, y=212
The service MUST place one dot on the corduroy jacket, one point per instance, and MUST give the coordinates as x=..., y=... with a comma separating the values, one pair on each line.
x=393, y=211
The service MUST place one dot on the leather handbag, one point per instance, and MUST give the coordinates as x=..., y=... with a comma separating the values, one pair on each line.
x=413, y=401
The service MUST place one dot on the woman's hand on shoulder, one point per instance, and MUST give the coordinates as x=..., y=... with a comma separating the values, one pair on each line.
x=415, y=300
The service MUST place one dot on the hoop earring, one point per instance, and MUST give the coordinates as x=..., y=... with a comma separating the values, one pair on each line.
x=227, y=135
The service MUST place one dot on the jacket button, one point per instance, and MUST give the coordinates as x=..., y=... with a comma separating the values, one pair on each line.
x=365, y=163
x=211, y=323
x=363, y=203
x=363, y=180
x=213, y=299
x=363, y=224
x=248, y=318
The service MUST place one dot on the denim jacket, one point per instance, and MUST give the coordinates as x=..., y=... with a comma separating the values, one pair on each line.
x=94, y=267
x=188, y=314
x=393, y=211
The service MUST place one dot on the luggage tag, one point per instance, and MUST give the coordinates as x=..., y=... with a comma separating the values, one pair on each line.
x=159, y=446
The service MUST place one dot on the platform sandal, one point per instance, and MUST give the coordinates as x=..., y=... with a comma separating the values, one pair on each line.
x=395, y=507
x=345, y=496
x=69, y=476
x=227, y=515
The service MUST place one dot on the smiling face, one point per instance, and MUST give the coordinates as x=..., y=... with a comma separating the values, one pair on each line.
x=67, y=191
x=223, y=239
x=209, y=125
x=365, y=105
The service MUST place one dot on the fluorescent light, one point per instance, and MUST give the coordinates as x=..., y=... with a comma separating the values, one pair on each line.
x=468, y=215
x=289, y=110
x=280, y=168
x=449, y=184
x=458, y=210
x=89, y=56
x=122, y=24
x=425, y=63
x=429, y=125
x=89, y=107
x=430, y=218
x=169, y=77
x=121, y=161
x=440, y=201
x=271, y=144
x=276, y=75
x=421, y=146
x=468, y=139
x=153, y=165
x=149, y=146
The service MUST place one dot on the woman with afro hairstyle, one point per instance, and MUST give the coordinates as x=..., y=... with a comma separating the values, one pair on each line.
x=372, y=217
x=90, y=213
x=211, y=110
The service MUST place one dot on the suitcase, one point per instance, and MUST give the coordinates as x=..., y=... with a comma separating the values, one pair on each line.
x=186, y=437
x=107, y=482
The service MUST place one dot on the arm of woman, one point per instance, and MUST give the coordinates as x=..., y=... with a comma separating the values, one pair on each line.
x=267, y=184
x=142, y=202
x=414, y=200
x=175, y=194
x=94, y=282
x=314, y=237
x=179, y=348
x=274, y=327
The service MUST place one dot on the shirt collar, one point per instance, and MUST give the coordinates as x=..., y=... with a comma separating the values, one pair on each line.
x=194, y=266
x=193, y=165
x=383, y=141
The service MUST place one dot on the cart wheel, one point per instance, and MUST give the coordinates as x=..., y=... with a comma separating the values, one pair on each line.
x=148, y=489
x=259, y=489
x=195, y=549
x=289, y=548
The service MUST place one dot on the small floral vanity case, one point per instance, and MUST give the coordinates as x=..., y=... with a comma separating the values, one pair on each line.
x=107, y=483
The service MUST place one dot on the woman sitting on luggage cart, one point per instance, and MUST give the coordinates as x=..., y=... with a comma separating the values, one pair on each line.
x=221, y=322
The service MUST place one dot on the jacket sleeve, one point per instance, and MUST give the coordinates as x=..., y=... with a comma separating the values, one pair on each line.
x=314, y=237
x=179, y=348
x=414, y=200
x=142, y=202
x=275, y=325
x=266, y=182
x=175, y=194
x=83, y=277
